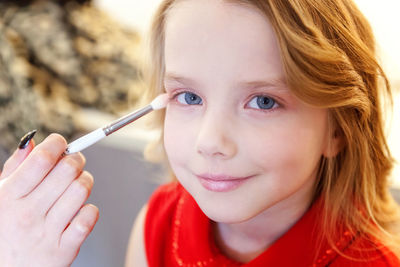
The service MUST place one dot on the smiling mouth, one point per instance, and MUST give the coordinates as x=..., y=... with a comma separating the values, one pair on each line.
x=221, y=183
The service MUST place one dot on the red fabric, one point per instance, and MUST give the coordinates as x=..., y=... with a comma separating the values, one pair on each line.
x=177, y=233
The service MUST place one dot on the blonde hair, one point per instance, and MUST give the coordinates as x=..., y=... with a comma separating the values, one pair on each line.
x=328, y=53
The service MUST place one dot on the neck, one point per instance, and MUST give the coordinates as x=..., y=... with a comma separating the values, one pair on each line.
x=246, y=240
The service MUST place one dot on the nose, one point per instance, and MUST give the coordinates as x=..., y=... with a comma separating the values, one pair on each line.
x=215, y=137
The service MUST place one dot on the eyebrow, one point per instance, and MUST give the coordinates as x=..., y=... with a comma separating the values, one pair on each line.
x=176, y=78
x=274, y=82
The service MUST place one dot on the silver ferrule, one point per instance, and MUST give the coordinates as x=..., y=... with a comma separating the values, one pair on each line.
x=118, y=124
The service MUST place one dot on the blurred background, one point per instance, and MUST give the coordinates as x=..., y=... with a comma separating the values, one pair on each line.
x=70, y=66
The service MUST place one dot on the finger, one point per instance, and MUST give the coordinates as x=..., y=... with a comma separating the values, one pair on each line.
x=79, y=229
x=56, y=182
x=36, y=166
x=24, y=148
x=66, y=207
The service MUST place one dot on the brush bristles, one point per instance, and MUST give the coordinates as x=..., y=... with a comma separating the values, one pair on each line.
x=160, y=101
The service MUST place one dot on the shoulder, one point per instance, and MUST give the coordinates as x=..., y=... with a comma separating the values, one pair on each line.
x=161, y=211
x=366, y=253
x=163, y=202
x=136, y=255
x=152, y=220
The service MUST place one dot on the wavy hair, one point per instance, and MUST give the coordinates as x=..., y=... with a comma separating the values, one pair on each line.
x=328, y=53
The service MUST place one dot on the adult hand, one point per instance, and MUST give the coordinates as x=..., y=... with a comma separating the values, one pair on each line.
x=43, y=219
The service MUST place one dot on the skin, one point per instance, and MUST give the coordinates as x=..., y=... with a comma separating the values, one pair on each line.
x=43, y=218
x=227, y=56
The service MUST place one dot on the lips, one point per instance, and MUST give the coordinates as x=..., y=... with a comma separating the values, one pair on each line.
x=221, y=183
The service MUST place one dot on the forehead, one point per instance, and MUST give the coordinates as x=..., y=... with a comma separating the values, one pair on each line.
x=219, y=37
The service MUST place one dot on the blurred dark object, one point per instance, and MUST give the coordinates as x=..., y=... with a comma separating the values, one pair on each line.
x=57, y=57
x=28, y=2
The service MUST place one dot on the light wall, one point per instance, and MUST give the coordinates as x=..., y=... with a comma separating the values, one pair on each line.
x=136, y=14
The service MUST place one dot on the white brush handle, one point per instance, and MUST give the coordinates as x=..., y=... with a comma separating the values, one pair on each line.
x=85, y=141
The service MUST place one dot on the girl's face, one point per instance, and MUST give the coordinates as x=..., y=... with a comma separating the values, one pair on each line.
x=236, y=137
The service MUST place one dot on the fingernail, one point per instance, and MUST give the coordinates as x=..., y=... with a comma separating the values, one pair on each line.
x=25, y=140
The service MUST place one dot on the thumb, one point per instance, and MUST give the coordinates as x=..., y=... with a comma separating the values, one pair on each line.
x=25, y=147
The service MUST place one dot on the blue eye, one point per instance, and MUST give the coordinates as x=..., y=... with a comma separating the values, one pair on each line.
x=262, y=102
x=188, y=98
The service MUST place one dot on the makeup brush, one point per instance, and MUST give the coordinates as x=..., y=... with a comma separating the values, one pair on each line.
x=89, y=139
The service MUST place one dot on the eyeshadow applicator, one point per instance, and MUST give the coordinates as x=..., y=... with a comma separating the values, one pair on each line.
x=89, y=139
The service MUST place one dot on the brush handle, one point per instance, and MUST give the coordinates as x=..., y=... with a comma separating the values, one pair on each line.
x=95, y=136
x=85, y=141
x=131, y=117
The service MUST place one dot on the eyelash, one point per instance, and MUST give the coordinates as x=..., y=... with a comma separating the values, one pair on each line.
x=275, y=105
x=178, y=92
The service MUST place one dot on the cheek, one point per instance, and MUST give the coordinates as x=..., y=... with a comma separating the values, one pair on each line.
x=288, y=150
x=178, y=137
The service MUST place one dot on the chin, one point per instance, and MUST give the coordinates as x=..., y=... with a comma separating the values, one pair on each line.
x=226, y=214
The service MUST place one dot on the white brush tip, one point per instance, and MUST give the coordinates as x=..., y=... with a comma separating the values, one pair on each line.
x=160, y=101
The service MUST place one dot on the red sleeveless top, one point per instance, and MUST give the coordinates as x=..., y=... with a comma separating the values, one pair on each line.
x=177, y=233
